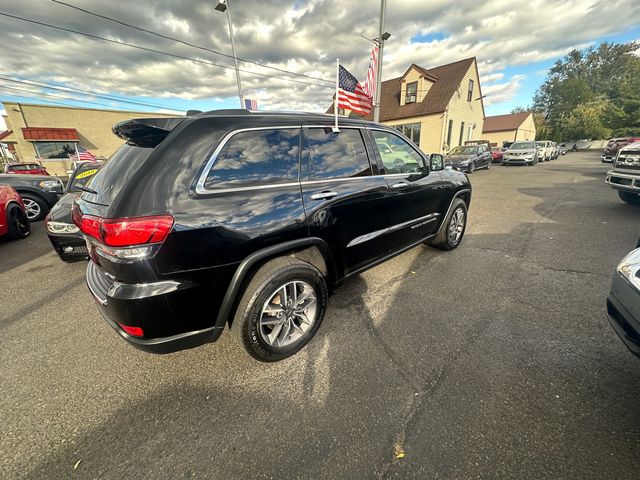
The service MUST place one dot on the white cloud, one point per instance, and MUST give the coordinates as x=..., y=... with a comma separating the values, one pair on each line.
x=303, y=37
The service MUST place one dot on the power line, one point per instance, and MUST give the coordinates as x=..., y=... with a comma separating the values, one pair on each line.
x=146, y=49
x=36, y=99
x=52, y=95
x=184, y=42
x=85, y=92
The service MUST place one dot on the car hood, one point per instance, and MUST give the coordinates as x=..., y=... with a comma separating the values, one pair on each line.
x=61, y=211
x=454, y=159
x=13, y=179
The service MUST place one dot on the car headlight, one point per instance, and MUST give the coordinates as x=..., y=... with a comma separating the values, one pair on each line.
x=630, y=266
x=50, y=184
x=61, y=227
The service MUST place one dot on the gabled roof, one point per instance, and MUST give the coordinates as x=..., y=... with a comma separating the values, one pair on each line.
x=423, y=71
x=447, y=80
x=502, y=123
x=5, y=134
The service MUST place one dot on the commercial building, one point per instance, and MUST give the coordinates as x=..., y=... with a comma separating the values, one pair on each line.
x=509, y=128
x=49, y=134
x=438, y=108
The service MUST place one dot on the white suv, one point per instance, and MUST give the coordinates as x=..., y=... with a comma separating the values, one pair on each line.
x=544, y=150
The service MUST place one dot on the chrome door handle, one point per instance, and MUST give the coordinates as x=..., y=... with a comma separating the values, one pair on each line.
x=323, y=195
x=400, y=185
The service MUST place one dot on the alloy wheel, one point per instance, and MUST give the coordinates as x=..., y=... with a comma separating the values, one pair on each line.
x=456, y=226
x=288, y=314
x=32, y=207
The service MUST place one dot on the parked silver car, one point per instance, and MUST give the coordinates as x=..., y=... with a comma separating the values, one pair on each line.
x=623, y=303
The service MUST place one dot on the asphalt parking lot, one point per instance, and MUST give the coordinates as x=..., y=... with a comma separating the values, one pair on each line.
x=495, y=360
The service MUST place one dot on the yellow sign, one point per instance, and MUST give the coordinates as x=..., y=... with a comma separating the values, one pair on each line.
x=86, y=174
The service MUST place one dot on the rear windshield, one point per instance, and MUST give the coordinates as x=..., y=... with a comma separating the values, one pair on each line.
x=115, y=173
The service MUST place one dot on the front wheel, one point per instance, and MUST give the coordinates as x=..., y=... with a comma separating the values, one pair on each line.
x=628, y=197
x=489, y=164
x=472, y=167
x=17, y=222
x=281, y=309
x=453, y=228
x=36, y=208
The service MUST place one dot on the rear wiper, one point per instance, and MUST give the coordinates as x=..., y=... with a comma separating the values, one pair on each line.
x=86, y=189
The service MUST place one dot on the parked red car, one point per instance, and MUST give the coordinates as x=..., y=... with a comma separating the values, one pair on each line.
x=25, y=168
x=496, y=154
x=13, y=217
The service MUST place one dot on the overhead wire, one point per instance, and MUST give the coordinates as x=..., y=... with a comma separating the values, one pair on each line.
x=52, y=95
x=114, y=98
x=189, y=44
x=160, y=52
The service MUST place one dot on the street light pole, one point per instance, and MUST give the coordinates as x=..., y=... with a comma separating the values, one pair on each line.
x=223, y=5
x=381, y=32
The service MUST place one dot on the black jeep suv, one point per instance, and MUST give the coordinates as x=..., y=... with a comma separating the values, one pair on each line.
x=248, y=219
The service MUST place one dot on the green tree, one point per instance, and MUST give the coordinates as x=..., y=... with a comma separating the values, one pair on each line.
x=585, y=121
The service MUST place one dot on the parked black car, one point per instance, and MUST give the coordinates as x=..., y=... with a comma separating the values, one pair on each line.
x=623, y=303
x=39, y=192
x=248, y=219
x=469, y=158
x=66, y=238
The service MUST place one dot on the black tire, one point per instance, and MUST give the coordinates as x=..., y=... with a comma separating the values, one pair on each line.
x=37, y=204
x=472, y=167
x=489, y=164
x=17, y=222
x=443, y=240
x=264, y=284
x=535, y=161
x=628, y=197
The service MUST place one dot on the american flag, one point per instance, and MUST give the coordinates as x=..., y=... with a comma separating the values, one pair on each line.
x=251, y=105
x=351, y=96
x=369, y=86
x=82, y=154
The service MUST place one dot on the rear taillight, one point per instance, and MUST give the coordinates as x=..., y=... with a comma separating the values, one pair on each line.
x=134, y=331
x=131, y=237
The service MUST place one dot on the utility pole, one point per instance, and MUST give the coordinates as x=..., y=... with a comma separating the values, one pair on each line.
x=223, y=5
x=381, y=34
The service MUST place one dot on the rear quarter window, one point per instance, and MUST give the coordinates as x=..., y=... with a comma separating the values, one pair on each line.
x=256, y=158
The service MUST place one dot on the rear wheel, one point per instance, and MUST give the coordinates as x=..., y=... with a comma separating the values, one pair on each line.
x=281, y=309
x=453, y=228
x=36, y=208
x=17, y=222
x=628, y=197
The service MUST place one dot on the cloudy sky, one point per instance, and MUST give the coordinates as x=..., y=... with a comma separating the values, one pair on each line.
x=515, y=43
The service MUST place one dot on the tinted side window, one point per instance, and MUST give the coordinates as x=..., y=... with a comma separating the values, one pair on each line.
x=397, y=155
x=337, y=155
x=254, y=158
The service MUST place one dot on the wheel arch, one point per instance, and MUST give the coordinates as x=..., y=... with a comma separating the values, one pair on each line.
x=312, y=250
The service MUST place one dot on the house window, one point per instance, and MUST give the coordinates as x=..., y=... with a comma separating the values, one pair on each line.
x=461, y=133
x=449, y=134
x=411, y=131
x=412, y=92
x=470, y=92
x=54, y=149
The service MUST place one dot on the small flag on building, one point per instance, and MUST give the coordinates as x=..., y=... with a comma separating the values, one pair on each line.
x=83, y=155
x=251, y=105
x=351, y=96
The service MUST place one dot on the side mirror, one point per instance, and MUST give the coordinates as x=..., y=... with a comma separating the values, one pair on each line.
x=436, y=162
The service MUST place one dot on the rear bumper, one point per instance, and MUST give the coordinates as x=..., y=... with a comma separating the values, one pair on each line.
x=623, y=181
x=167, y=311
x=605, y=158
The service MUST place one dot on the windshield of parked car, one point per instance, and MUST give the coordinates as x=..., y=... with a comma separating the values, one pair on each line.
x=24, y=166
x=81, y=177
x=522, y=146
x=496, y=149
x=541, y=144
x=464, y=150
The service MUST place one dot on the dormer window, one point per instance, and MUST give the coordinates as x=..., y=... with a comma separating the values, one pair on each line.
x=412, y=92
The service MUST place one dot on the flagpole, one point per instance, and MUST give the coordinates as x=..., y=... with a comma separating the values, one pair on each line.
x=335, y=103
x=378, y=92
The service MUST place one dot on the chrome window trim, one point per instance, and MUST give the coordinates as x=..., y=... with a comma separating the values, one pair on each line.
x=200, y=188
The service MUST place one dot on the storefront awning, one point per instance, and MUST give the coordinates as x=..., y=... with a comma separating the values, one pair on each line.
x=50, y=134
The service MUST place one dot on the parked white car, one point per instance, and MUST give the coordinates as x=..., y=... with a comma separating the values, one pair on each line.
x=545, y=150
